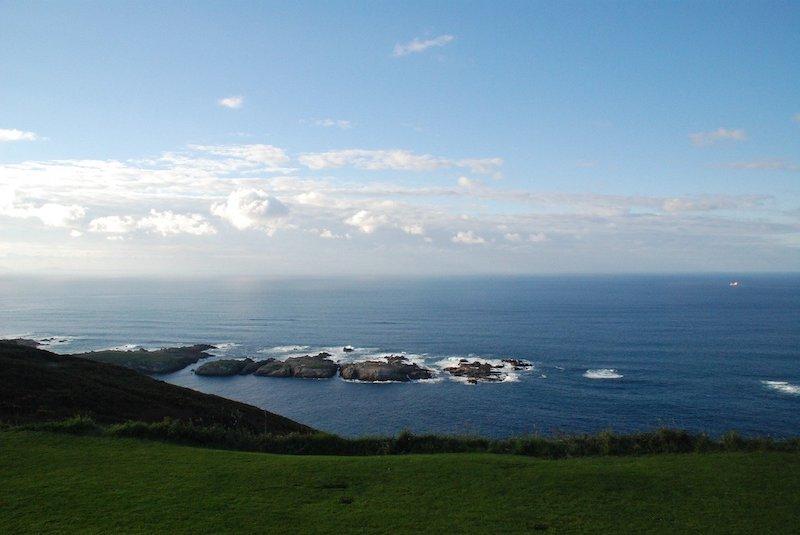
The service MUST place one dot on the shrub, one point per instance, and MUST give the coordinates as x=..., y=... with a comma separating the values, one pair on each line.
x=604, y=443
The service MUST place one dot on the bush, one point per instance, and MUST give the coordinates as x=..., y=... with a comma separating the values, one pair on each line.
x=605, y=443
x=77, y=425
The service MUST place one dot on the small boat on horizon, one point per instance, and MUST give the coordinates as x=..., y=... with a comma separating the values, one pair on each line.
x=733, y=284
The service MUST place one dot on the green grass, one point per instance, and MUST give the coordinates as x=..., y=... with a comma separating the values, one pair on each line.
x=58, y=482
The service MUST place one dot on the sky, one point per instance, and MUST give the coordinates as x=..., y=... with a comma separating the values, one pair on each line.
x=413, y=138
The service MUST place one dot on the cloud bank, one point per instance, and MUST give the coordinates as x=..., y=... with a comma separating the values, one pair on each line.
x=264, y=202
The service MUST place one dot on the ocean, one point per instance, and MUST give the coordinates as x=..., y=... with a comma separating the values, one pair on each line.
x=625, y=353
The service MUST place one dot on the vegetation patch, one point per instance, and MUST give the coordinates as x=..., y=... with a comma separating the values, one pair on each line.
x=661, y=441
x=65, y=483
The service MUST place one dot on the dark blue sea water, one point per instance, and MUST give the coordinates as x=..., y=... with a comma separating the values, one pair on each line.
x=682, y=351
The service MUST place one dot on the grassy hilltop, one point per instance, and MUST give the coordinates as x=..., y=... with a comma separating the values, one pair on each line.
x=56, y=483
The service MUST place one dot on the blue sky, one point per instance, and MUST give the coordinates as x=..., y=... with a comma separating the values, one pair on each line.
x=464, y=137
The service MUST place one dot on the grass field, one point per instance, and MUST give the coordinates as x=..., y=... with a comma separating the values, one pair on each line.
x=55, y=483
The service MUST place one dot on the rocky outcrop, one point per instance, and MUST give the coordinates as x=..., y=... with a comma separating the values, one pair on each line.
x=396, y=368
x=476, y=371
x=228, y=367
x=24, y=342
x=164, y=360
x=307, y=367
x=253, y=365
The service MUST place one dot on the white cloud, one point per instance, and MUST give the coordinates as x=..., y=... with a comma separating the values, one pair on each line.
x=764, y=165
x=328, y=234
x=366, y=221
x=312, y=198
x=233, y=102
x=113, y=224
x=50, y=214
x=58, y=215
x=371, y=160
x=330, y=123
x=414, y=229
x=268, y=155
x=168, y=222
x=537, y=237
x=712, y=203
x=481, y=166
x=468, y=237
x=700, y=139
x=252, y=209
x=12, y=134
x=74, y=233
x=394, y=159
x=420, y=45
x=164, y=222
x=465, y=182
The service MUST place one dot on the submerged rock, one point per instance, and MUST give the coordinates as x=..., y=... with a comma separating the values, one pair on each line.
x=475, y=371
x=396, y=368
x=228, y=367
x=308, y=367
x=348, y=349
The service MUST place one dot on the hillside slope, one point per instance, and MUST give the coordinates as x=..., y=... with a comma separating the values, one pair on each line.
x=40, y=386
x=64, y=483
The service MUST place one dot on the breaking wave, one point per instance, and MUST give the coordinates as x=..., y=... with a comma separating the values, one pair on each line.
x=783, y=387
x=603, y=373
x=222, y=348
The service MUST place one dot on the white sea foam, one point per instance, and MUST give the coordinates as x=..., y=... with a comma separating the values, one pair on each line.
x=56, y=340
x=124, y=347
x=603, y=373
x=285, y=349
x=783, y=387
x=138, y=347
x=222, y=348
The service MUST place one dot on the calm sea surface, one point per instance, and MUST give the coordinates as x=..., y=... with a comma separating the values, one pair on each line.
x=626, y=353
